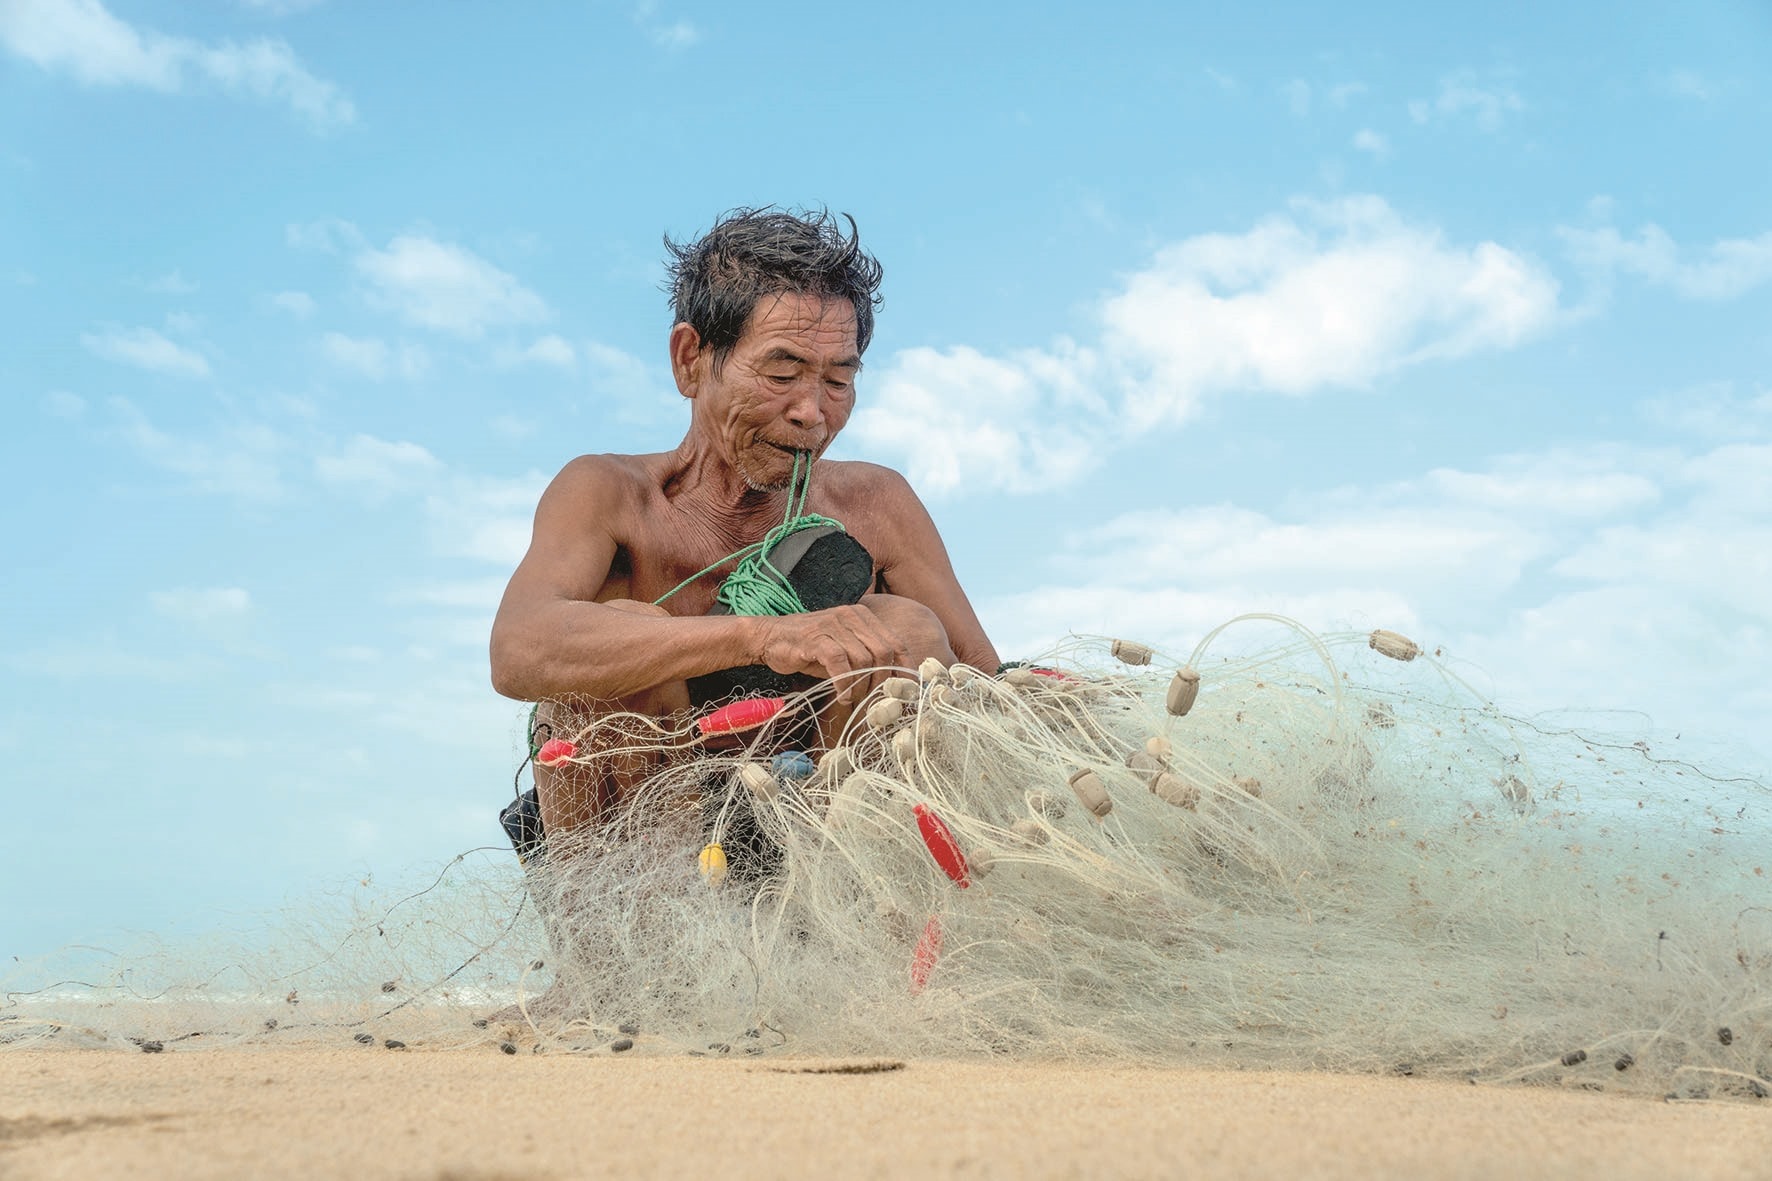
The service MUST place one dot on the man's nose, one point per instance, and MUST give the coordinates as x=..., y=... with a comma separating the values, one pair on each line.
x=806, y=410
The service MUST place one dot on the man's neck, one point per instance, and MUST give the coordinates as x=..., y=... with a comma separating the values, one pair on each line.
x=717, y=494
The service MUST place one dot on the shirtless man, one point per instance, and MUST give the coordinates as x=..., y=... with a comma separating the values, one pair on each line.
x=773, y=313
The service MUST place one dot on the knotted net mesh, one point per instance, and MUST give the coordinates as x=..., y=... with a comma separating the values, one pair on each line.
x=1331, y=854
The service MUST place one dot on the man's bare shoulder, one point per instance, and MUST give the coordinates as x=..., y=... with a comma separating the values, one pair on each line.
x=609, y=478
x=850, y=479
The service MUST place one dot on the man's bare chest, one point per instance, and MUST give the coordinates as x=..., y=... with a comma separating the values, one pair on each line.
x=663, y=554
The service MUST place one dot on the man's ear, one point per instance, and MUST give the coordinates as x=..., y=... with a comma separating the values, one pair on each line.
x=688, y=359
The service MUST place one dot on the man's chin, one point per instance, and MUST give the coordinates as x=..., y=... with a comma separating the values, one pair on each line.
x=770, y=479
x=776, y=471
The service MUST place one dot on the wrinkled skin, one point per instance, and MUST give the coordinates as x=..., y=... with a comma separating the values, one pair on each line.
x=613, y=533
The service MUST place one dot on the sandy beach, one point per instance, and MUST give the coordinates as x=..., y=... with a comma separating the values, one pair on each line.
x=371, y=1112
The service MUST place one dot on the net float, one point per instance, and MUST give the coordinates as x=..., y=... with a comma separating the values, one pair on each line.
x=904, y=749
x=927, y=952
x=1184, y=689
x=932, y=671
x=555, y=751
x=713, y=863
x=757, y=777
x=792, y=764
x=1031, y=832
x=885, y=712
x=1131, y=652
x=942, y=845
x=1173, y=789
x=1146, y=765
x=1394, y=645
x=1159, y=748
x=899, y=688
x=980, y=862
x=740, y=716
x=1087, y=786
x=834, y=765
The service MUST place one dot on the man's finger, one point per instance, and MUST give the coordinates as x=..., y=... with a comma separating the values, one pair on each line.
x=837, y=667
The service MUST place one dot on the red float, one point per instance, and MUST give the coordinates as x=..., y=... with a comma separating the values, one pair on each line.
x=555, y=751
x=942, y=845
x=741, y=715
x=923, y=958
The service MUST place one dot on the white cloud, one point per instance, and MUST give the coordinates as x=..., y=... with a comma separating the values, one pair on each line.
x=1715, y=411
x=146, y=349
x=279, y=7
x=666, y=34
x=84, y=40
x=551, y=350
x=1464, y=94
x=241, y=461
x=1343, y=93
x=678, y=34
x=202, y=604
x=171, y=283
x=480, y=595
x=1339, y=295
x=1619, y=577
x=636, y=392
x=328, y=235
x=100, y=658
x=484, y=518
x=1723, y=270
x=186, y=323
x=1690, y=84
x=1371, y=142
x=62, y=404
x=1334, y=295
x=446, y=287
x=957, y=415
x=547, y=350
x=377, y=466
x=297, y=303
x=373, y=358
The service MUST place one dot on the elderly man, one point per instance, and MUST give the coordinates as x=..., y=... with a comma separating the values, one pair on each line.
x=614, y=606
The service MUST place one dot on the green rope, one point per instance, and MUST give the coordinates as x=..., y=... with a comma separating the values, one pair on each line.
x=755, y=586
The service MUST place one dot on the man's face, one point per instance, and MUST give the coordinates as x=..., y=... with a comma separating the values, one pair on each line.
x=787, y=386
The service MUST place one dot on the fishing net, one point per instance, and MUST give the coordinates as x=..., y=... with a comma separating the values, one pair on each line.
x=1279, y=850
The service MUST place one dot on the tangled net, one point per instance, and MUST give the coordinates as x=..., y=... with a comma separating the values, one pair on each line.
x=1292, y=852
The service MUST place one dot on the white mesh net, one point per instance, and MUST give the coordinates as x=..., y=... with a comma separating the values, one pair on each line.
x=1340, y=857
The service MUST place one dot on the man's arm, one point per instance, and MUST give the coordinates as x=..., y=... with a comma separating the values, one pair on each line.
x=552, y=639
x=920, y=569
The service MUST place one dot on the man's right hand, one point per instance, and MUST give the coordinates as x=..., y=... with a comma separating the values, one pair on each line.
x=836, y=644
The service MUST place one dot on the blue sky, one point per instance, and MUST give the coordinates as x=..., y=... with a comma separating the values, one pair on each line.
x=1454, y=322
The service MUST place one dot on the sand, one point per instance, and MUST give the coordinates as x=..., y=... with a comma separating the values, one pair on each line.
x=371, y=1112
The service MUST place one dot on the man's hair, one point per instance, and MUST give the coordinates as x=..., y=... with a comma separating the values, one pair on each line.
x=750, y=254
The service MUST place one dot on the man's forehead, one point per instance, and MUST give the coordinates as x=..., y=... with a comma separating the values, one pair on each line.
x=830, y=323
